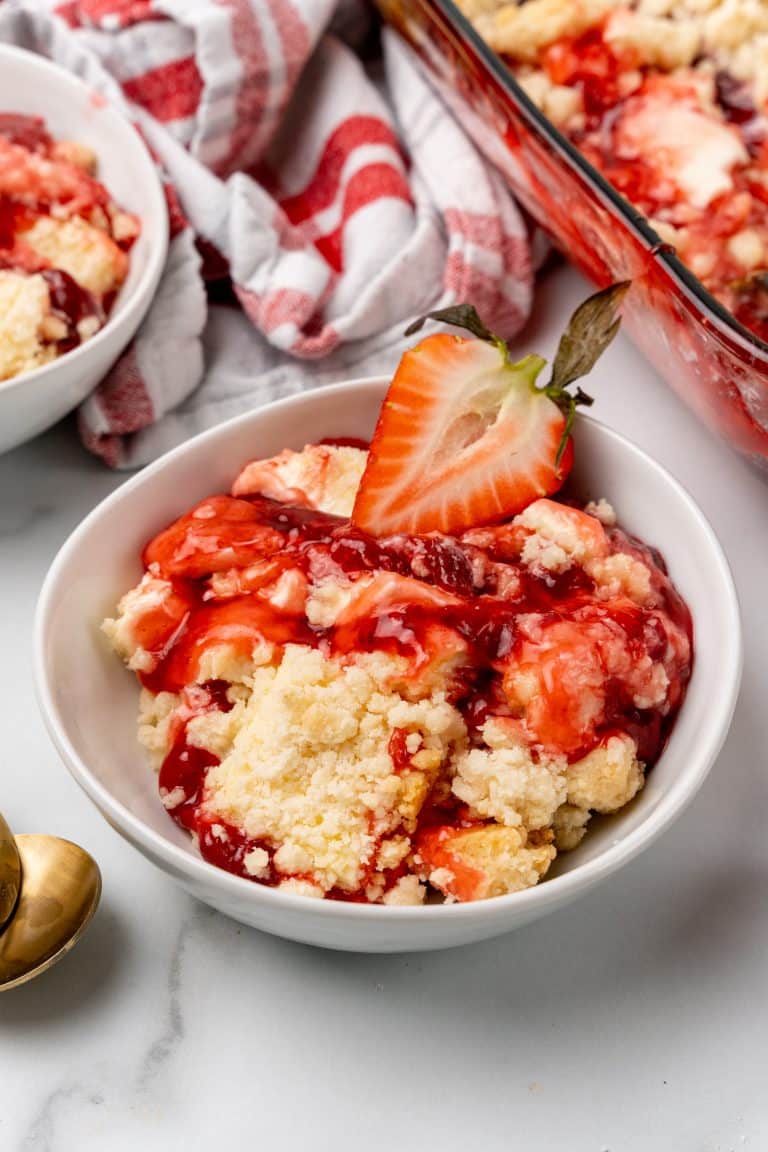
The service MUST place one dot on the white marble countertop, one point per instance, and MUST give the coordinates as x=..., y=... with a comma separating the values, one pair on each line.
x=636, y=1020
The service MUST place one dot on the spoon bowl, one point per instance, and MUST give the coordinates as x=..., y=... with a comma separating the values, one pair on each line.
x=10, y=872
x=60, y=890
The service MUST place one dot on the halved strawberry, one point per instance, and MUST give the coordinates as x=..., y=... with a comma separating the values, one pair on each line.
x=466, y=437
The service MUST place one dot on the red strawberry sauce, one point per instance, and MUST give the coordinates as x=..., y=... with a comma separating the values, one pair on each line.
x=27, y=131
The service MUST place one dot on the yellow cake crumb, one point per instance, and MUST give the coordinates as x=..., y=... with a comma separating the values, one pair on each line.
x=607, y=778
x=569, y=826
x=408, y=891
x=522, y=31
x=88, y=254
x=556, y=536
x=149, y=594
x=24, y=308
x=310, y=768
x=488, y=861
x=506, y=783
x=155, y=715
x=621, y=575
x=321, y=476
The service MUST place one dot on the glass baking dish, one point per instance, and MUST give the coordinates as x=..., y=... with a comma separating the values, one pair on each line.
x=717, y=367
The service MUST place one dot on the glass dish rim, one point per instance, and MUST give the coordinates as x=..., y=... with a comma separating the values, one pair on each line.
x=713, y=312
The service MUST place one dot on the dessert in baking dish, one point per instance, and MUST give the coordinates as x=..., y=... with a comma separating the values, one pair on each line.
x=373, y=673
x=668, y=99
x=64, y=245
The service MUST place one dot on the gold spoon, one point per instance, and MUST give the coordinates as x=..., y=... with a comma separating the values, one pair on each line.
x=10, y=872
x=60, y=890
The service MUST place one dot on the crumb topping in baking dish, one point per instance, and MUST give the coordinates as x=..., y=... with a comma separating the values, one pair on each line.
x=668, y=99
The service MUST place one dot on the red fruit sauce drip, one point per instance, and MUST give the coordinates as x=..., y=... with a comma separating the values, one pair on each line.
x=226, y=846
x=398, y=749
x=8, y=223
x=27, y=131
x=345, y=442
x=185, y=766
x=71, y=303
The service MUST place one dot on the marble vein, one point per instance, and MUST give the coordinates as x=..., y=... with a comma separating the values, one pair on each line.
x=41, y=1134
x=162, y=1048
x=46, y=1129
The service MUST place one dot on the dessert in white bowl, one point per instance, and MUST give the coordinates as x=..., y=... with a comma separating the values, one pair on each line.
x=64, y=245
x=92, y=716
x=78, y=271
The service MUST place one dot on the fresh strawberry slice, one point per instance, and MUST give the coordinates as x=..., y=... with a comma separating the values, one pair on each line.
x=465, y=436
x=463, y=439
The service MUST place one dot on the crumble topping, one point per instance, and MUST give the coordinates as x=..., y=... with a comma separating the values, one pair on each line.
x=24, y=310
x=322, y=476
x=310, y=768
x=570, y=826
x=504, y=782
x=362, y=719
x=606, y=778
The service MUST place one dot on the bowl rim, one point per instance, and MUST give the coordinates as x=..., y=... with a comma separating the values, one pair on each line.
x=553, y=891
x=143, y=290
x=728, y=328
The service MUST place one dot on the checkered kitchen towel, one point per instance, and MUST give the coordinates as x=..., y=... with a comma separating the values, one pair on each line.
x=328, y=182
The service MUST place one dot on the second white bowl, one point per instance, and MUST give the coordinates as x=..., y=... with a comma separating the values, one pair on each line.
x=29, y=84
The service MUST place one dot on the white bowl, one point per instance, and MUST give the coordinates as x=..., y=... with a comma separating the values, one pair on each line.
x=89, y=700
x=33, y=401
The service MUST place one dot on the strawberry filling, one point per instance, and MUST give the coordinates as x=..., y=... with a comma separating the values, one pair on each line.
x=687, y=146
x=549, y=626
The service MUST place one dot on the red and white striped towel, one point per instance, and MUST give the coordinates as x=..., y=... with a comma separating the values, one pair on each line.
x=329, y=183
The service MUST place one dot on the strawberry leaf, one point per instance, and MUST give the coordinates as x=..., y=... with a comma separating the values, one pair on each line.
x=460, y=316
x=590, y=330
